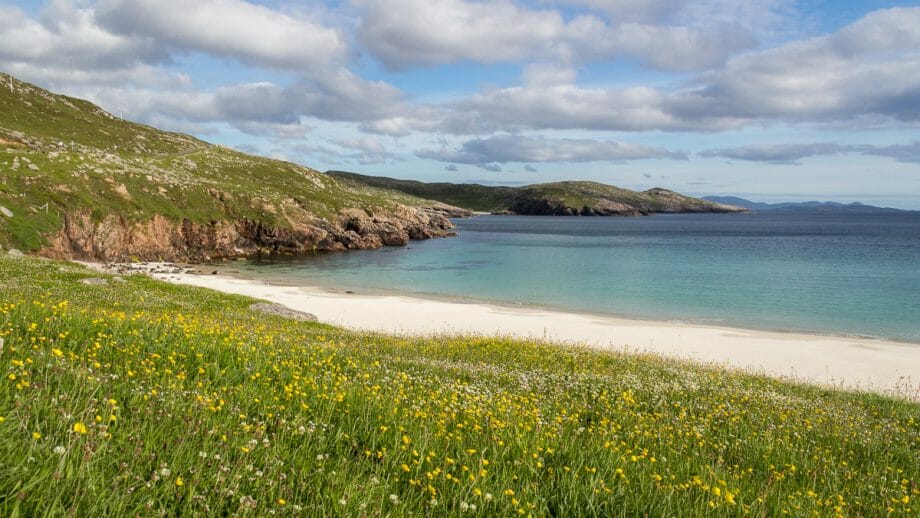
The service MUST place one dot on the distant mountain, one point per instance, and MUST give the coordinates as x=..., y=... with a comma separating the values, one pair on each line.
x=804, y=206
x=573, y=198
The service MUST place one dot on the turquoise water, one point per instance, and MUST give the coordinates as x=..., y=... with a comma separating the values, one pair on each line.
x=840, y=274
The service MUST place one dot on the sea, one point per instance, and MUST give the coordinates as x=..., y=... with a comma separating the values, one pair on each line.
x=824, y=273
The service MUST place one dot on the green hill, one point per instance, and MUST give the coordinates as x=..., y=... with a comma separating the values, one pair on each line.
x=558, y=198
x=76, y=181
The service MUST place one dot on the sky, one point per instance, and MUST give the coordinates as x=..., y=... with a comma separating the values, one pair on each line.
x=773, y=100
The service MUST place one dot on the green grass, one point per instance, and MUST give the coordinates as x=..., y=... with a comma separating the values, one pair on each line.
x=476, y=197
x=218, y=410
x=90, y=161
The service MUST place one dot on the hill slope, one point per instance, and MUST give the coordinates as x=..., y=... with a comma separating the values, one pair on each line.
x=559, y=198
x=78, y=182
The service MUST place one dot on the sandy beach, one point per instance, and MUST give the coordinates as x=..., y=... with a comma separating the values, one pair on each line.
x=845, y=362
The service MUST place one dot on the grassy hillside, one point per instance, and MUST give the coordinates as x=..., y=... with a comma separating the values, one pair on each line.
x=470, y=196
x=559, y=198
x=59, y=155
x=139, y=398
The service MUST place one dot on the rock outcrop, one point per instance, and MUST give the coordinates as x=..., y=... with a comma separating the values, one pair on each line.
x=116, y=239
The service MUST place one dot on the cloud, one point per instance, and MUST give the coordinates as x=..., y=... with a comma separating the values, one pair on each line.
x=829, y=78
x=869, y=67
x=778, y=153
x=250, y=33
x=515, y=148
x=495, y=168
x=530, y=169
x=65, y=44
x=369, y=150
x=632, y=10
x=907, y=153
x=451, y=167
x=411, y=33
x=792, y=153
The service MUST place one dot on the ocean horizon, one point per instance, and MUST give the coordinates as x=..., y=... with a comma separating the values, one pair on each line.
x=838, y=274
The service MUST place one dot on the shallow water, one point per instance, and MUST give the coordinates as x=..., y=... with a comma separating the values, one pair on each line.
x=824, y=273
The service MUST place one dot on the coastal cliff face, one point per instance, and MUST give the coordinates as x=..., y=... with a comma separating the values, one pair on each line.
x=114, y=238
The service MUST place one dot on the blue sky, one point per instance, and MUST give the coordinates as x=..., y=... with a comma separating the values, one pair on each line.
x=771, y=99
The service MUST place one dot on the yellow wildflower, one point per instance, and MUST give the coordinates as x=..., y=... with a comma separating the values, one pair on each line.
x=80, y=428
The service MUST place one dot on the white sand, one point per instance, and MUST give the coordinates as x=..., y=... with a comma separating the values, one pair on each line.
x=853, y=363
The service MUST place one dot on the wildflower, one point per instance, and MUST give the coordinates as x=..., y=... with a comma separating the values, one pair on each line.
x=60, y=450
x=36, y=435
x=80, y=428
x=488, y=497
x=57, y=352
x=282, y=501
x=179, y=481
x=394, y=498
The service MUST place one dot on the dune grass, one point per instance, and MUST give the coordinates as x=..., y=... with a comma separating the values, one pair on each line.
x=143, y=398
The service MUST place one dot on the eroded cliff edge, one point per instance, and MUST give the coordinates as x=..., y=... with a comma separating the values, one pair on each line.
x=116, y=239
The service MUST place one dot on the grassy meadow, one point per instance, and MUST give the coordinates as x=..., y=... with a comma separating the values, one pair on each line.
x=142, y=398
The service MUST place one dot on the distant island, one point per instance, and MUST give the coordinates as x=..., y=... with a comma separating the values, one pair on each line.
x=571, y=198
x=805, y=206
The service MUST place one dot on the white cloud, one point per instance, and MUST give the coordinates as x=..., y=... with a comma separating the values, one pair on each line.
x=869, y=68
x=244, y=31
x=791, y=153
x=407, y=33
x=66, y=45
x=517, y=148
x=778, y=153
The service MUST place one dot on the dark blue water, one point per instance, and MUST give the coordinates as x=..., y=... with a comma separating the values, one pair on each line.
x=824, y=273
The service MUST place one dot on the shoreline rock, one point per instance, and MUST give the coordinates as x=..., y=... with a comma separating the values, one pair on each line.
x=116, y=239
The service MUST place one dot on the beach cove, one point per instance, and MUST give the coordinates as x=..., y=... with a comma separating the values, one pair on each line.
x=864, y=364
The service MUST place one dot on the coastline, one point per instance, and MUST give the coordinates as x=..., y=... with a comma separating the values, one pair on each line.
x=864, y=364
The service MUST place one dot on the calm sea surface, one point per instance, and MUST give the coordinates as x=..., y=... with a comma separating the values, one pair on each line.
x=840, y=274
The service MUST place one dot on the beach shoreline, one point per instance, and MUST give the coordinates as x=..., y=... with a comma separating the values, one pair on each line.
x=853, y=363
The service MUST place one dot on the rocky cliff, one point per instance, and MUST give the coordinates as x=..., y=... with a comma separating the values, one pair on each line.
x=116, y=239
